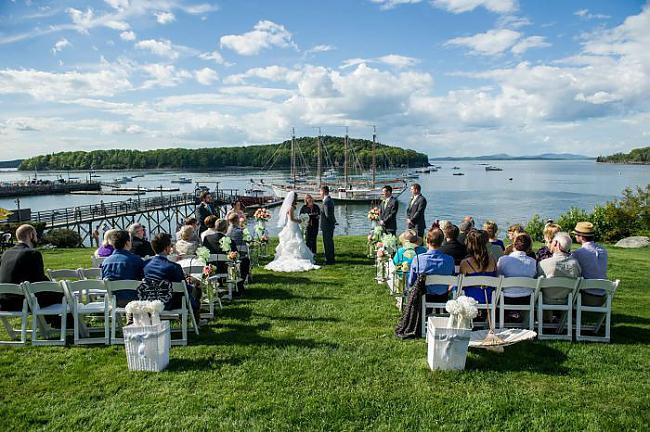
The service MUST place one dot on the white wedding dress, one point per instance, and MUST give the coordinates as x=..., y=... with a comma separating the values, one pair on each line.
x=292, y=253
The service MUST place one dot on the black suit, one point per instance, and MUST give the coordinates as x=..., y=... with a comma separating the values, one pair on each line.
x=212, y=243
x=388, y=214
x=327, y=224
x=23, y=264
x=141, y=247
x=203, y=211
x=415, y=213
x=311, y=233
x=454, y=249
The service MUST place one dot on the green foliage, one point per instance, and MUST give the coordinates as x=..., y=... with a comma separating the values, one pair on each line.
x=257, y=156
x=636, y=156
x=569, y=219
x=316, y=351
x=12, y=227
x=62, y=238
x=611, y=222
x=535, y=228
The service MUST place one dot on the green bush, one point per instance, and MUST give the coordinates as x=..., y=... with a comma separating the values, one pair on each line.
x=62, y=238
x=13, y=226
x=612, y=223
x=569, y=219
x=535, y=228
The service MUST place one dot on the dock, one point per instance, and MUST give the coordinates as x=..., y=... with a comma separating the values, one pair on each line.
x=45, y=187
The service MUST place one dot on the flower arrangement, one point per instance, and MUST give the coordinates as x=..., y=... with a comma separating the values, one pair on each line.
x=373, y=214
x=264, y=239
x=262, y=215
x=405, y=267
x=247, y=235
x=203, y=253
x=390, y=243
x=232, y=256
x=373, y=238
x=461, y=312
x=209, y=270
x=4, y=213
x=226, y=244
x=144, y=313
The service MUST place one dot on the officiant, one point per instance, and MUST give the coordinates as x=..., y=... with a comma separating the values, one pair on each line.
x=313, y=211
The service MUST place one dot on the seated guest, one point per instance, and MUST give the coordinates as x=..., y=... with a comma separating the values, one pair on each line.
x=139, y=245
x=106, y=248
x=409, y=249
x=491, y=228
x=159, y=268
x=560, y=263
x=550, y=229
x=593, y=262
x=236, y=234
x=238, y=209
x=465, y=227
x=192, y=222
x=518, y=264
x=452, y=246
x=209, y=222
x=433, y=262
x=122, y=265
x=186, y=244
x=478, y=263
x=513, y=232
x=23, y=263
x=212, y=242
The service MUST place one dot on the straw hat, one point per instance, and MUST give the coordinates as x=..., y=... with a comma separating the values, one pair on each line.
x=584, y=228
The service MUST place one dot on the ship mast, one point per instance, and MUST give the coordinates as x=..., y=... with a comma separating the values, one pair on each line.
x=374, y=154
x=319, y=165
x=293, y=156
x=345, y=158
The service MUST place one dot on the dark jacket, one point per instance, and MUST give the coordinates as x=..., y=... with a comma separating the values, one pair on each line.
x=160, y=268
x=204, y=210
x=454, y=249
x=23, y=264
x=123, y=265
x=141, y=247
x=388, y=214
x=314, y=216
x=415, y=212
x=327, y=218
x=212, y=243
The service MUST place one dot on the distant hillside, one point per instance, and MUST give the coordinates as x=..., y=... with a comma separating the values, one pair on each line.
x=258, y=156
x=505, y=156
x=10, y=163
x=639, y=156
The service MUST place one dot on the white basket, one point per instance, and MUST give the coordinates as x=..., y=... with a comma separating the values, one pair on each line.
x=446, y=347
x=147, y=347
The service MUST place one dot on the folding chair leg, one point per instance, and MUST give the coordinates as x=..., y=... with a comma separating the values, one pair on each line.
x=106, y=329
x=531, y=313
x=8, y=327
x=570, y=318
x=23, y=327
x=76, y=326
x=64, y=320
x=502, y=303
x=34, y=329
x=579, y=317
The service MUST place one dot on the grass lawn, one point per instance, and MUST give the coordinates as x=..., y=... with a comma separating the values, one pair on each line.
x=316, y=351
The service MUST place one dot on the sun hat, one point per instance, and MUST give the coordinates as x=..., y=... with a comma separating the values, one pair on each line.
x=409, y=236
x=584, y=228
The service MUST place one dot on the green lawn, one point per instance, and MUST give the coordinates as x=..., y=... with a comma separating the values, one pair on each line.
x=316, y=351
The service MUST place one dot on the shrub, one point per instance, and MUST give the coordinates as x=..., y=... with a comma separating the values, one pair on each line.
x=569, y=219
x=63, y=238
x=612, y=223
x=13, y=226
x=535, y=227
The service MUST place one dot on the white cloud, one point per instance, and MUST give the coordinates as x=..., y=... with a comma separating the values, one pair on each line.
x=83, y=20
x=585, y=14
x=198, y=9
x=390, y=4
x=528, y=43
x=492, y=42
x=394, y=60
x=163, y=75
x=161, y=47
x=127, y=36
x=164, y=17
x=265, y=35
x=214, y=56
x=60, y=45
x=118, y=4
x=206, y=76
x=319, y=49
x=460, y=6
x=270, y=73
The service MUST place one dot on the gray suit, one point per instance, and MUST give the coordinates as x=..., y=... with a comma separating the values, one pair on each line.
x=388, y=215
x=415, y=213
x=327, y=224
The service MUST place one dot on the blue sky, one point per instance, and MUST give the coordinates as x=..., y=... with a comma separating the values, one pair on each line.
x=446, y=77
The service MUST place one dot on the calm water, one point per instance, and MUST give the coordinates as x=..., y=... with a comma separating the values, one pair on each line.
x=544, y=187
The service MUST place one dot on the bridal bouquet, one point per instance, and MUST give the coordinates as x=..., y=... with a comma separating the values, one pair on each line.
x=304, y=221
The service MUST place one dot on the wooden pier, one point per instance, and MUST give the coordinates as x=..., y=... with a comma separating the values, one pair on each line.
x=46, y=187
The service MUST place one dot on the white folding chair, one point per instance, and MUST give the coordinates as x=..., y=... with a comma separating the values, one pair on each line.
x=231, y=283
x=90, y=273
x=23, y=314
x=450, y=281
x=63, y=274
x=518, y=282
x=97, y=261
x=181, y=313
x=207, y=300
x=605, y=311
x=38, y=312
x=76, y=293
x=115, y=311
x=485, y=282
x=556, y=294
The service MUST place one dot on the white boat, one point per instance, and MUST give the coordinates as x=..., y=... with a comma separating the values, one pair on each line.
x=182, y=180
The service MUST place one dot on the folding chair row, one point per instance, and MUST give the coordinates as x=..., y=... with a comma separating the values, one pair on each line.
x=78, y=274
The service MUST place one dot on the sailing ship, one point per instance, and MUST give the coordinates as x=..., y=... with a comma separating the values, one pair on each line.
x=345, y=188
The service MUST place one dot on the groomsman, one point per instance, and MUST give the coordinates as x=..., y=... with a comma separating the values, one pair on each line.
x=205, y=209
x=327, y=224
x=388, y=211
x=415, y=210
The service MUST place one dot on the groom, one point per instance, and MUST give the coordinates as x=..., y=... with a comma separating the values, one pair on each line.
x=327, y=223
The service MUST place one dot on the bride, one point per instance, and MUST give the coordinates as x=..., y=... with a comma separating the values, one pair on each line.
x=292, y=253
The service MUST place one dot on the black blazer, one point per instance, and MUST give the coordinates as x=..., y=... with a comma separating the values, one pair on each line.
x=23, y=264
x=141, y=247
x=212, y=243
x=388, y=214
x=454, y=249
x=415, y=212
x=203, y=211
x=327, y=218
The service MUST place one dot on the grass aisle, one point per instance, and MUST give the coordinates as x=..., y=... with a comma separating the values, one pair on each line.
x=315, y=351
